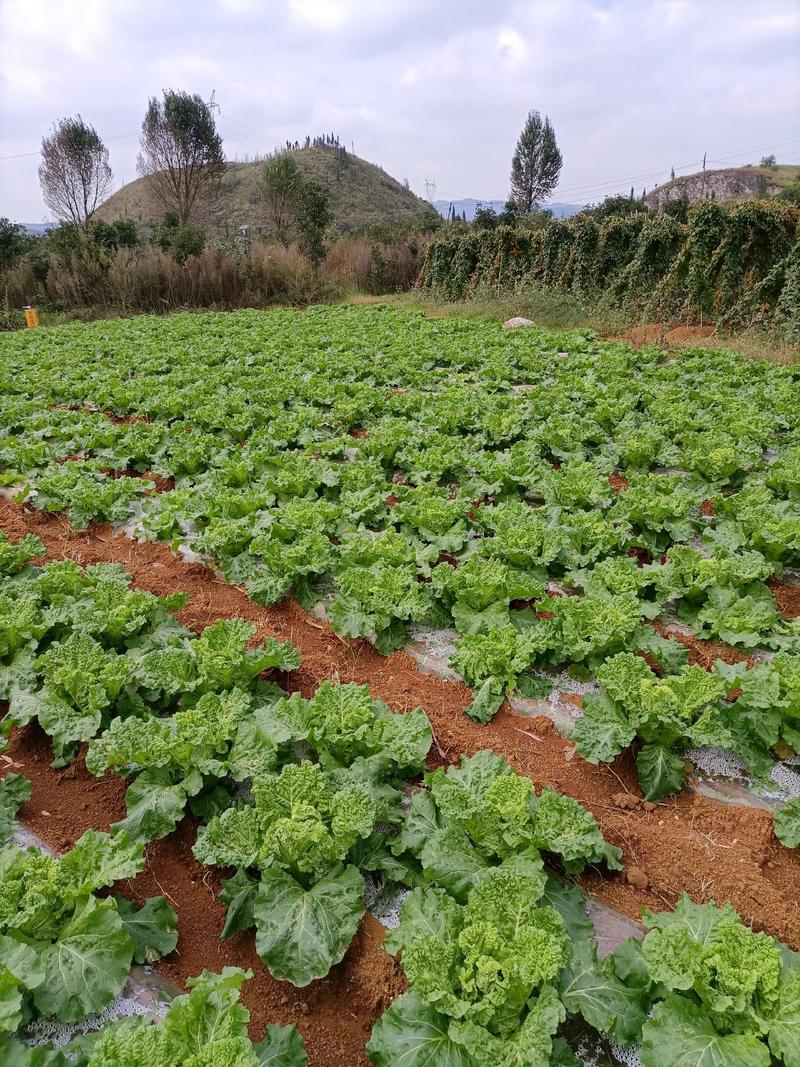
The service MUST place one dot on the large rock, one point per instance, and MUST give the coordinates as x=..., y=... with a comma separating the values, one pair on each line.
x=517, y=323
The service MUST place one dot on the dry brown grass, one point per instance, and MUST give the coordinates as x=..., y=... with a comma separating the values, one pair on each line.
x=374, y=267
x=149, y=280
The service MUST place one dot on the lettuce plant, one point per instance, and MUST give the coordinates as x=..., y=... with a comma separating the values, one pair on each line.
x=65, y=951
x=312, y=827
x=482, y=813
x=299, y=834
x=483, y=976
x=206, y=1027
x=718, y=992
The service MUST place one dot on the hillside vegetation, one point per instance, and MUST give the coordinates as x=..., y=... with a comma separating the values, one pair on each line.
x=361, y=194
x=730, y=183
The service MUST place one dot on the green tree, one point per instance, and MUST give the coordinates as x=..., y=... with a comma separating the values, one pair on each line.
x=768, y=161
x=282, y=181
x=536, y=163
x=313, y=216
x=181, y=151
x=113, y=235
x=614, y=206
x=179, y=239
x=15, y=241
x=74, y=174
x=677, y=208
x=485, y=218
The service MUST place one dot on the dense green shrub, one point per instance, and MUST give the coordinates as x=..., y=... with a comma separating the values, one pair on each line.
x=735, y=264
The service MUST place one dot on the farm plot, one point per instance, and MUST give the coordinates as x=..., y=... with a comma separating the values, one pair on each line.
x=560, y=504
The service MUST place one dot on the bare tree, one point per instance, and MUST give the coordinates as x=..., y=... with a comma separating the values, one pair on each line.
x=181, y=151
x=74, y=173
x=535, y=165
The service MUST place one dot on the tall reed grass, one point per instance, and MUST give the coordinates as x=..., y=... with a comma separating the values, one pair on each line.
x=91, y=281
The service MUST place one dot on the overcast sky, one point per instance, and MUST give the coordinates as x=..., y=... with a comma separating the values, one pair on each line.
x=429, y=89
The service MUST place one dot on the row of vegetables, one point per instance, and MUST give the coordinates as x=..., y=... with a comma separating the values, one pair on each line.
x=556, y=500
x=300, y=799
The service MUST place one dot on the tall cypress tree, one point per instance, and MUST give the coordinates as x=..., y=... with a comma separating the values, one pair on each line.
x=536, y=163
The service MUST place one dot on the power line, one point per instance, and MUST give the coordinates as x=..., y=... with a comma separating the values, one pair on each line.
x=38, y=152
x=252, y=129
x=606, y=183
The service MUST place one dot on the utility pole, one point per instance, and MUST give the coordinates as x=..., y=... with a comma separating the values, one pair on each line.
x=703, y=187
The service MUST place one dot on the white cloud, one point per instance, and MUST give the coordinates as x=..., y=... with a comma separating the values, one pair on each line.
x=511, y=45
x=428, y=90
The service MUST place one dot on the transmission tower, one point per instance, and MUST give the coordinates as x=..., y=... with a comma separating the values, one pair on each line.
x=430, y=190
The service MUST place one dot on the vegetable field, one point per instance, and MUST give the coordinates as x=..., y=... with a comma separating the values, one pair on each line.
x=318, y=623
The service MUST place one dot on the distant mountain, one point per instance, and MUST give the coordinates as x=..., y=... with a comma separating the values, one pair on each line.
x=469, y=204
x=38, y=227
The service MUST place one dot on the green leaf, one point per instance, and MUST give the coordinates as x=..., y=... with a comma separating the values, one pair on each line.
x=660, y=771
x=629, y=963
x=411, y=1034
x=282, y=1047
x=563, y=826
x=591, y=988
x=487, y=701
x=239, y=893
x=22, y=960
x=563, y=1056
x=301, y=933
x=10, y=1001
x=784, y=1026
x=699, y=920
x=570, y=903
x=669, y=653
x=786, y=821
x=232, y=839
x=87, y=965
x=14, y=1053
x=421, y=822
x=451, y=861
x=603, y=730
x=349, y=619
x=207, y=1019
x=155, y=804
x=680, y=1034
x=99, y=859
x=253, y=751
x=152, y=928
x=15, y=789
x=424, y=911
x=469, y=620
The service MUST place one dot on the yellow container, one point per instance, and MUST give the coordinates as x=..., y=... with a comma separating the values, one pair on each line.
x=31, y=317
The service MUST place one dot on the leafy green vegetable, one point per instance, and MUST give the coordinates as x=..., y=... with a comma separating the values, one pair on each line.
x=480, y=975
x=718, y=991
x=787, y=823
x=15, y=789
x=67, y=953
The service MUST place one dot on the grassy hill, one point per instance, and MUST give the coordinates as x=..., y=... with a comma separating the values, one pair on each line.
x=361, y=194
x=731, y=183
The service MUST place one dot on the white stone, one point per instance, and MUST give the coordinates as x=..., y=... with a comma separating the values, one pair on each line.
x=517, y=323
